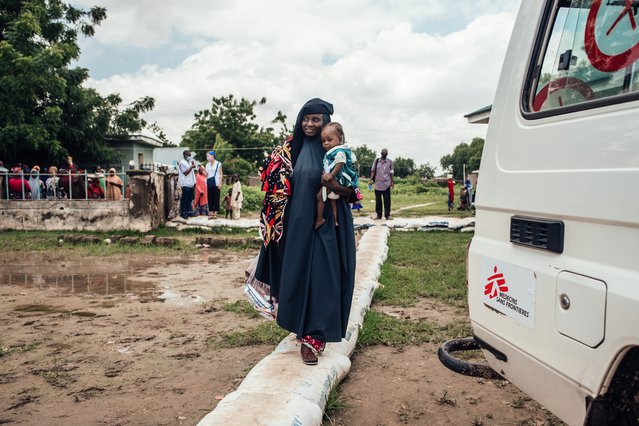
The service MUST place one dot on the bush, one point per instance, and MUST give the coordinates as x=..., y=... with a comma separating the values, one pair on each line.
x=238, y=166
x=253, y=197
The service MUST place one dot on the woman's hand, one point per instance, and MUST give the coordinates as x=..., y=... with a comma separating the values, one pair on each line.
x=338, y=189
x=326, y=177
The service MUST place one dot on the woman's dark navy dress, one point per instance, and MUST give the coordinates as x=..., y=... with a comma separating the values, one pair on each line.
x=311, y=272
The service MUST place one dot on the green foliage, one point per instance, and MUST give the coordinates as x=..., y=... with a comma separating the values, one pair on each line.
x=365, y=158
x=232, y=120
x=403, y=167
x=470, y=155
x=424, y=264
x=45, y=112
x=223, y=150
x=253, y=197
x=425, y=171
x=238, y=166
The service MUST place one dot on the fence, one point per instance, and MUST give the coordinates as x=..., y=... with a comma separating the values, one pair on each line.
x=18, y=186
x=149, y=205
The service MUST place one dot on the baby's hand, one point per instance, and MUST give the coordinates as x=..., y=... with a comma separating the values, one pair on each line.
x=326, y=177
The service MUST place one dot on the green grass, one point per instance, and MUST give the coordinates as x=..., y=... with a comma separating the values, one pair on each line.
x=407, y=194
x=38, y=241
x=229, y=232
x=266, y=333
x=382, y=329
x=424, y=264
x=334, y=404
x=242, y=307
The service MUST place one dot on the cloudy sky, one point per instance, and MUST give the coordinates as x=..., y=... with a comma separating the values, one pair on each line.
x=400, y=73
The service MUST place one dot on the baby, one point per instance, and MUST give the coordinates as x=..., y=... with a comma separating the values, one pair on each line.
x=338, y=165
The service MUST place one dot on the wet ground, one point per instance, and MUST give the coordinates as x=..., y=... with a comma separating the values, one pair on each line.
x=129, y=340
x=122, y=340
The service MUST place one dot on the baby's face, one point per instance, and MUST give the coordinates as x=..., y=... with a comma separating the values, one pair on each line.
x=330, y=138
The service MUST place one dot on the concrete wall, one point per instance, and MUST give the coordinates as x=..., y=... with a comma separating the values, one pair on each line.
x=143, y=212
x=146, y=210
x=64, y=215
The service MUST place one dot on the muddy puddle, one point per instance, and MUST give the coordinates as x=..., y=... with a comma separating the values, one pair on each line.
x=128, y=339
x=105, y=284
x=179, y=281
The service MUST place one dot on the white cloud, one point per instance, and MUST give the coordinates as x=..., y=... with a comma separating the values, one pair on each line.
x=393, y=82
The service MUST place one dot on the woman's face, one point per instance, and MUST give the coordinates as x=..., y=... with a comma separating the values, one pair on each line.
x=330, y=138
x=312, y=124
x=209, y=158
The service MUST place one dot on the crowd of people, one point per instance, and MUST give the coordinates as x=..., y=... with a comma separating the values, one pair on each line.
x=22, y=182
x=201, y=187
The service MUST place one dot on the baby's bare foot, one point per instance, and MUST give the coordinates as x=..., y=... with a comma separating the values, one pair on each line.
x=319, y=222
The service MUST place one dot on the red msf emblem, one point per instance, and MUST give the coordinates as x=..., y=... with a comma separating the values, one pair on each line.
x=495, y=284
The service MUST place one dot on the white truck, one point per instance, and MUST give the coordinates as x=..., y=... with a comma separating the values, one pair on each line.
x=553, y=267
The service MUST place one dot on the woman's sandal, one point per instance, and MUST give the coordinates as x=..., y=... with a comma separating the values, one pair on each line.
x=308, y=356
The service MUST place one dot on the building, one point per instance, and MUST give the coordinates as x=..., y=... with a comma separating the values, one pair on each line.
x=137, y=149
x=168, y=156
x=481, y=116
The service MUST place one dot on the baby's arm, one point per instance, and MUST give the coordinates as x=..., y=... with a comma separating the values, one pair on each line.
x=336, y=170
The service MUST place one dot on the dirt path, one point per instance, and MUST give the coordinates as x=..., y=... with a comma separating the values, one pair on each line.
x=412, y=207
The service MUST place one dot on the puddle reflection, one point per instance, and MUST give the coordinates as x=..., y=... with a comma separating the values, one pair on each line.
x=100, y=284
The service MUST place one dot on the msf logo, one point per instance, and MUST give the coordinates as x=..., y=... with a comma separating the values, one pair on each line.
x=496, y=283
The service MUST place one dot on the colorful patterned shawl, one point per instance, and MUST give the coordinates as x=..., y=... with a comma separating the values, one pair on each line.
x=276, y=173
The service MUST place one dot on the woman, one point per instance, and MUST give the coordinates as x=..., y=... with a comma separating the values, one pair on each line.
x=95, y=191
x=213, y=183
x=19, y=188
x=311, y=272
x=114, y=186
x=52, y=183
x=201, y=203
x=36, y=184
x=236, y=197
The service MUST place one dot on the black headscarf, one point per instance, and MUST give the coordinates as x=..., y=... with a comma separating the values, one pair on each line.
x=314, y=106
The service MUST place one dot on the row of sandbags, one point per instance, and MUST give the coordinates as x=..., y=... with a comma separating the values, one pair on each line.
x=280, y=389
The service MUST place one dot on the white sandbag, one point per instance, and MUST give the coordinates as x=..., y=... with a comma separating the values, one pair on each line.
x=280, y=389
x=259, y=408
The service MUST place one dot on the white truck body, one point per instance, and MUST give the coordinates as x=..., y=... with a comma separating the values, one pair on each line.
x=553, y=268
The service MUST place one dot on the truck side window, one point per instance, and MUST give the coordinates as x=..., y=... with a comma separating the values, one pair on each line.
x=590, y=53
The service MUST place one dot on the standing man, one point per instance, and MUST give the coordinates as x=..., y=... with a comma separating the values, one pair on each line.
x=186, y=180
x=382, y=178
x=451, y=192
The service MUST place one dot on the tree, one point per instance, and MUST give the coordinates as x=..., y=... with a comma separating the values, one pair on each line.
x=463, y=154
x=223, y=150
x=425, y=171
x=238, y=166
x=45, y=113
x=365, y=158
x=403, y=167
x=233, y=121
